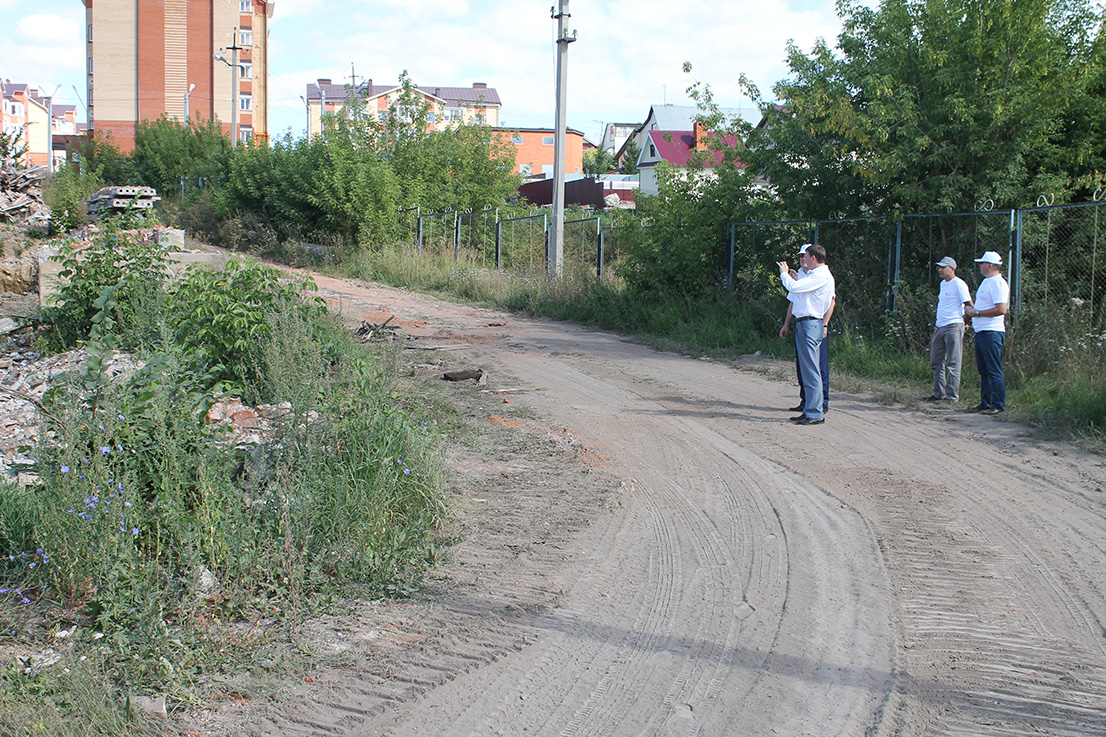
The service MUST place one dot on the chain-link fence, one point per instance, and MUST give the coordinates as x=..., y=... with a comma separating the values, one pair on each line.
x=1053, y=255
x=522, y=242
x=476, y=237
x=581, y=246
x=1061, y=258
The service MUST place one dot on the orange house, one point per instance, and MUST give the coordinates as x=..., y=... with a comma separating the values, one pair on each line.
x=534, y=152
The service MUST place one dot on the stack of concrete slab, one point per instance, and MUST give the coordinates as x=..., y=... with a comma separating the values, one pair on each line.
x=114, y=200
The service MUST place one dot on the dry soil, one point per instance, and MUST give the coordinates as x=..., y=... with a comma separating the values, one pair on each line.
x=649, y=547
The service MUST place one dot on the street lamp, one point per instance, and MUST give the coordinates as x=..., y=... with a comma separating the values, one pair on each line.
x=233, y=88
x=186, y=94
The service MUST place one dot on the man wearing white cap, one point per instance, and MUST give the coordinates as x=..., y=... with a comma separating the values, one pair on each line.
x=811, y=298
x=823, y=353
x=989, y=323
x=947, y=347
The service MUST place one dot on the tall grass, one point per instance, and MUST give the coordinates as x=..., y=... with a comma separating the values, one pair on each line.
x=152, y=532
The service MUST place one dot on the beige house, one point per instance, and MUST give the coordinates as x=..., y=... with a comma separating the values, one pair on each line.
x=25, y=107
x=449, y=106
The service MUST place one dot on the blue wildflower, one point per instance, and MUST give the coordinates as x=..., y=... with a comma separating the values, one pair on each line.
x=65, y=469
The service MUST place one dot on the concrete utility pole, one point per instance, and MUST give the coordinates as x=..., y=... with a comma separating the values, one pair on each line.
x=234, y=74
x=557, y=229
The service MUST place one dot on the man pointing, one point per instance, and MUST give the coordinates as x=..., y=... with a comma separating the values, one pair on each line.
x=810, y=298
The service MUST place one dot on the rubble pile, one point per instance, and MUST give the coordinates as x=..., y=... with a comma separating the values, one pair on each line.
x=25, y=375
x=21, y=194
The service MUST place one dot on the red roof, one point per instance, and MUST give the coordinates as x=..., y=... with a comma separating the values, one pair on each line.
x=675, y=147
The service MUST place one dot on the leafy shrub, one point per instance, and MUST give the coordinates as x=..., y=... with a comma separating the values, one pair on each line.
x=117, y=271
x=223, y=317
x=67, y=194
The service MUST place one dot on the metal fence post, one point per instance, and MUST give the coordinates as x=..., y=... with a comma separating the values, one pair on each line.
x=418, y=232
x=498, y=243
x=456, y=236
x=729, y=277
x=599, y=265
x=1016, y=223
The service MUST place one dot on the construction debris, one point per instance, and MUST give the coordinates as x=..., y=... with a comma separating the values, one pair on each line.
x=368, y=329
x=115, y=200
x=21, y=194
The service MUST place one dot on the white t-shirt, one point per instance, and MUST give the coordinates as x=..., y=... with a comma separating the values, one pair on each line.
x=950, y=303
x=992, y=291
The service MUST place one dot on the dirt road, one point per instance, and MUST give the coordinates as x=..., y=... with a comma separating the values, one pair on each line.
x=893, y=572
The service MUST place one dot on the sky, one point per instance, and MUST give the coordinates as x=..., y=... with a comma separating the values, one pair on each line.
x=629, y=54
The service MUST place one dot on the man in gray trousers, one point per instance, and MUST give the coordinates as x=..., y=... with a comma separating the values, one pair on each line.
x=947, y=347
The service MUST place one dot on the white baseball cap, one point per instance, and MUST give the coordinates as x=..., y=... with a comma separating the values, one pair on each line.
x=990, y=257
x=802, y=248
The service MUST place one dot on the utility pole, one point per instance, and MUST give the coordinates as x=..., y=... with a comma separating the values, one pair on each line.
x=556, y=230
x=234, y=75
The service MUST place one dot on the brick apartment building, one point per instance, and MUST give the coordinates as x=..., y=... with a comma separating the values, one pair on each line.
x=148, y=58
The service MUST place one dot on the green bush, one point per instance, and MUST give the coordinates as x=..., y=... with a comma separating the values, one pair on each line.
x=222, y=316
x=113, y=278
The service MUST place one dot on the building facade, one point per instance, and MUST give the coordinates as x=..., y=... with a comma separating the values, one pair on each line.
x=534, y=153
x=179, y=58
x=25, y=109
x=448, y=106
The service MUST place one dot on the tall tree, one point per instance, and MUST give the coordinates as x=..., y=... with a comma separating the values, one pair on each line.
x=935, y=105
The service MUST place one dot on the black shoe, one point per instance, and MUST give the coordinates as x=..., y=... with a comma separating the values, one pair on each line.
x=796, y=408
x=932, y=398
x=800, y=418
x=811, y=421
x=978, y=408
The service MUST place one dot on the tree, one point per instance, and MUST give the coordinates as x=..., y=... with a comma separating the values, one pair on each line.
x=629, y=158
x=934, y=105
x=598, y=161
x=167, y=153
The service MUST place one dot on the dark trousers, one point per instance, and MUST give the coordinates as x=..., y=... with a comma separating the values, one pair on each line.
x=988, y=359
x=823, y=364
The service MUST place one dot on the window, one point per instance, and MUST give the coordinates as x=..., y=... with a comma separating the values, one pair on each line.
x=245, y=71
x=245, y=135
x=90, y=33
x=245, y=37
x=547, y=140
x=245, y=102
x=481, y=119
x=453, y=114
x=245, y=6
x=652, y=151
x=516, y=139
x=524, y=169
x=90, y=65
x=430, y=117
x=547, y=170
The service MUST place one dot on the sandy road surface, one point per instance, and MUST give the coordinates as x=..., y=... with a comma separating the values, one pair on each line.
x=893, y=572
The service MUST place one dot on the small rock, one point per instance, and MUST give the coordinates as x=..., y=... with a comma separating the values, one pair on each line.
x=155, y=707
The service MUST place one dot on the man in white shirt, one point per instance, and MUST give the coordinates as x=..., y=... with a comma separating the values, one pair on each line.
x=989, y=324
x=811, y=298
x=947, y=347
x=823, y=354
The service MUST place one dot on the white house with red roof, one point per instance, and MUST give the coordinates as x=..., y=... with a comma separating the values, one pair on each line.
x=696, y=152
